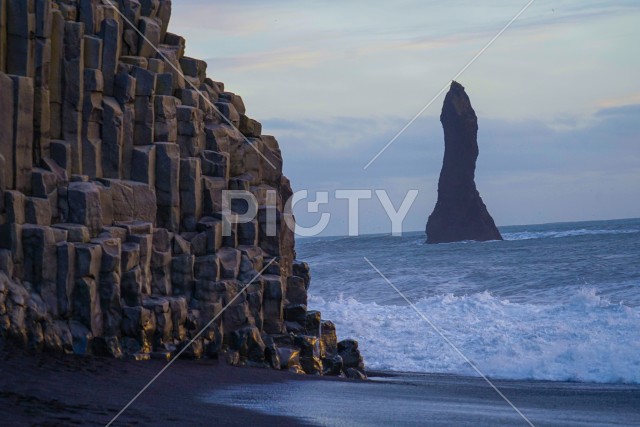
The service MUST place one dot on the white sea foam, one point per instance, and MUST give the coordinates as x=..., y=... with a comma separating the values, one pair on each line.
x=527, y=235
x=588, y=339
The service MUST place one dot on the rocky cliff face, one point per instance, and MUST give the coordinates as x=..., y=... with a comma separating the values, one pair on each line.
x=460, y=214
x=115, y=150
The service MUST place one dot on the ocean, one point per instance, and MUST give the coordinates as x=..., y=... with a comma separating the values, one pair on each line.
x=554, y=302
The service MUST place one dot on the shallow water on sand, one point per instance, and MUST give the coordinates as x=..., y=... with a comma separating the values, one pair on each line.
x=410, y=399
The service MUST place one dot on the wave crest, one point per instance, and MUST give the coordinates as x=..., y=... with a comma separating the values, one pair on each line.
x=528, y=235
x=588, y=339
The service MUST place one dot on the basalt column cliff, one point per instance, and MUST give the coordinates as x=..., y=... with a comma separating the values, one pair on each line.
x=460, y=214
x=113, y=163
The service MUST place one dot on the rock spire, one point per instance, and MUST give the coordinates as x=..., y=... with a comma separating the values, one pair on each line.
x=460, y=214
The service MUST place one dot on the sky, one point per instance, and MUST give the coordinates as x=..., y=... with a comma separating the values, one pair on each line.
x=557, y=97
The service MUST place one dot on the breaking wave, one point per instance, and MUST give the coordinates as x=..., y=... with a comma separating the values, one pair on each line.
x=527, y=235
x=588, y=339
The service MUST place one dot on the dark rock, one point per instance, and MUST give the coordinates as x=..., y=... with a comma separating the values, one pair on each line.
x=328, y=338
x=255, y=298
x=115, y=237
x=107, y=347
x=164, y=321
x=309, y=354
x=460, y=214
x=86, y=305
x=213, y=339
x=131, y=287
x=110, y=302
x=207, y=268
x=165, y=354
x=247, y=270
x=65, y=280
x=232, y=357
x=289, y=357
x=76, y=233
x=57, y=337
x=130, y=256
x=355, y=374
x=6, y=264
x=229, y=262
x=312, y=323
x=85, y=206
x=296, y=290
x=296, y=313
x=179, y=313
x=271, y=353
x=88, y=260
x=181, y=246
x=182, y=268
x=82, y=338
x=36, y=315
x=273, y=304
x=195, y=350
x=332, y=365
x=348, y=350
x=248, y=342
x=140, y=324
x=161, y=272
x=16, y=309
x=294, y=327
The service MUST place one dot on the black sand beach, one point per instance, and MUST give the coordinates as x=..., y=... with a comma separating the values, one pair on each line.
x=62, y=391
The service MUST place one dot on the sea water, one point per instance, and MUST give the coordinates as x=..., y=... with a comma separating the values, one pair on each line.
x=550, y=302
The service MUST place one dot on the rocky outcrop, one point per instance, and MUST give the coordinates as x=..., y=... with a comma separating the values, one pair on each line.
x=115, y=150
x=460, y=214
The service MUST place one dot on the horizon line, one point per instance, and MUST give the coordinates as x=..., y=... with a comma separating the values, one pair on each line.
x=499, y=226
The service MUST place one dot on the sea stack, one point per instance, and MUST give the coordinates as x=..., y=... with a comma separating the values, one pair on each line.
x=460, y=214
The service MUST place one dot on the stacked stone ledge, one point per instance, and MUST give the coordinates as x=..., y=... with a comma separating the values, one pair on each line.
x=112, y=168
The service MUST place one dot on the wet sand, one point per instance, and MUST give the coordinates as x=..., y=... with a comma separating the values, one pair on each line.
x=43, y=390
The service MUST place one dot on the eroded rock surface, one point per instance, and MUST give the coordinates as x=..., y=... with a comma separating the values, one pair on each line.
x=113, y=160
x=460, y=214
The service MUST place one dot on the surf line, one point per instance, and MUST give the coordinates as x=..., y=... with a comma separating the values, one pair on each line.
x=451, y=344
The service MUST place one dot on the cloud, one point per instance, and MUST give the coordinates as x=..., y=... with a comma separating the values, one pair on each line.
x=334, y=81
x=330, y=136
x=293, y=56
x=348, y=58
x=506, y=145
x=312, y=31
x=527, y=170
x=620, y=110
x=627, y=99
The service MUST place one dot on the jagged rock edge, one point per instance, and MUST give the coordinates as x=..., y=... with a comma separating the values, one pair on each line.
x=111, y=173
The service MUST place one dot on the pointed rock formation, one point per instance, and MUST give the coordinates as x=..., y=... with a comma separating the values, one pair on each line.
x=460, y=214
